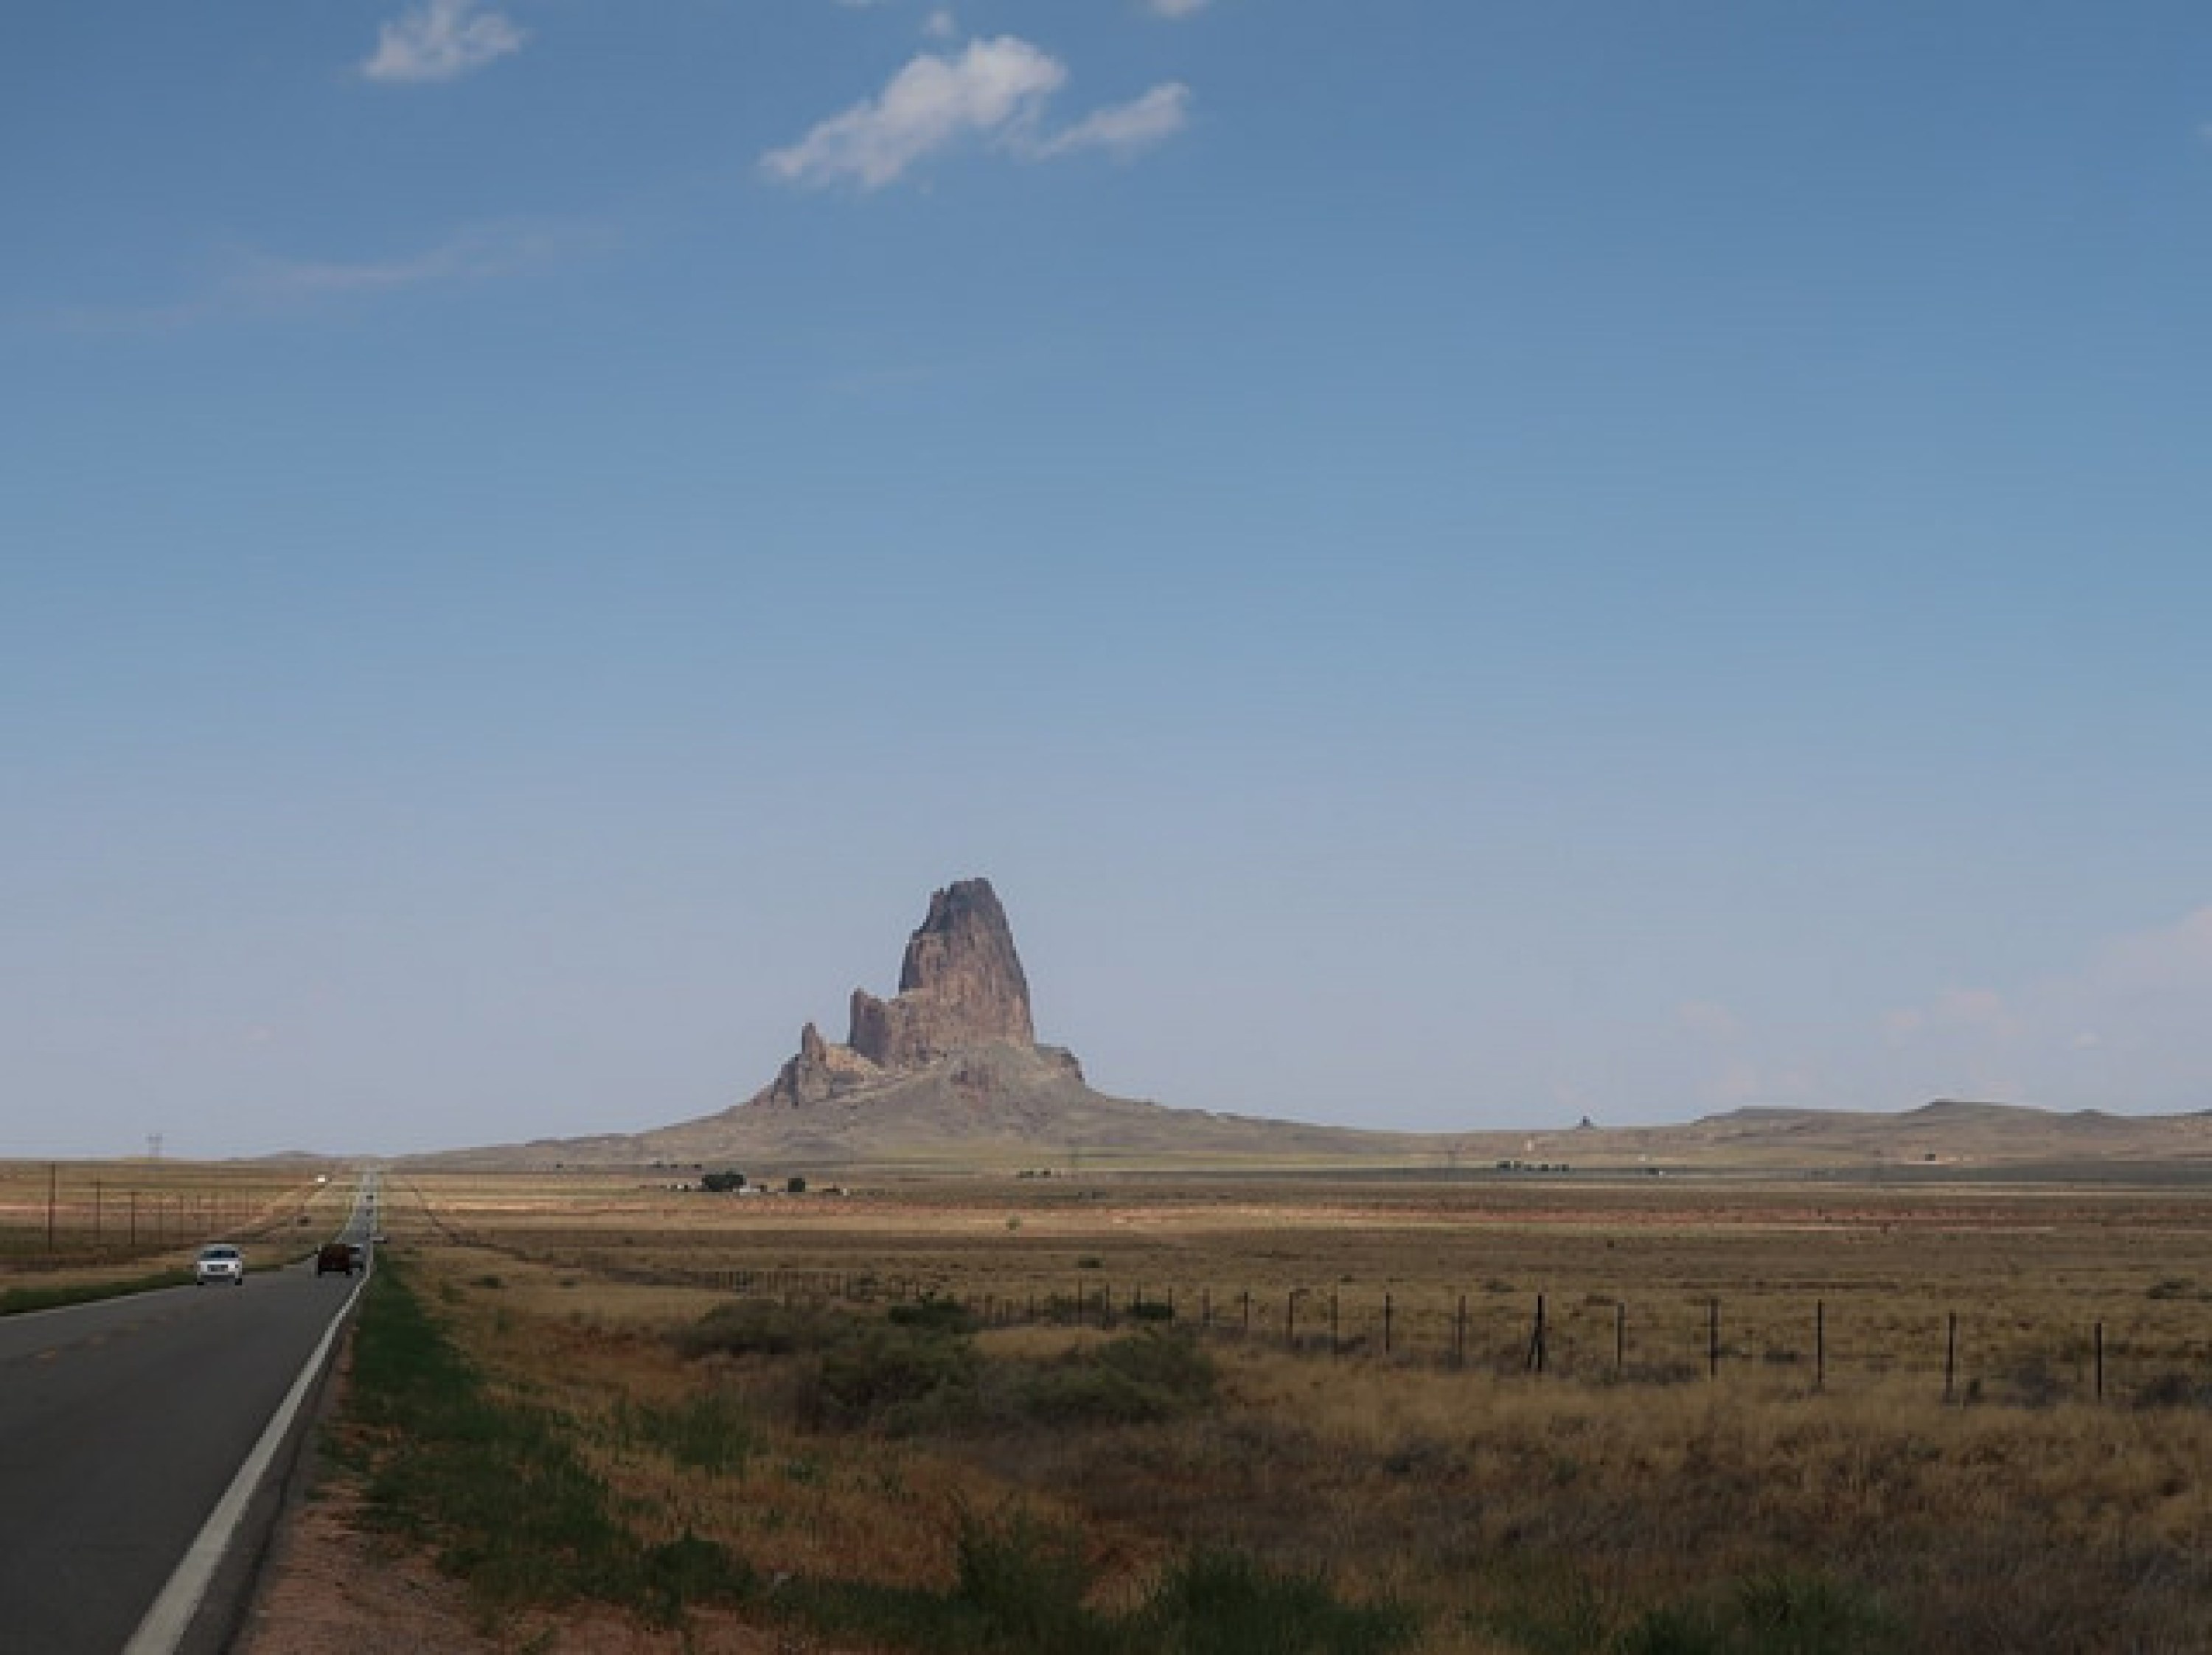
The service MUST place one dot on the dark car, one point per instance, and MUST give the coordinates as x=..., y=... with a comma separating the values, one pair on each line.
x=336, y=1255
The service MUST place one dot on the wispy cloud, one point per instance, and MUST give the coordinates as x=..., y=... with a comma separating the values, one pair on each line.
x=995, y=92
x=1126, y=129
x=2124, y=1029
x=478, y=253
x=441, y=41
x=1176, y=8
x=250, y=282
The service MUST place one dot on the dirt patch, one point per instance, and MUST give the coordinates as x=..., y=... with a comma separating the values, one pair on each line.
x=332, y=1585
x=332, y=1589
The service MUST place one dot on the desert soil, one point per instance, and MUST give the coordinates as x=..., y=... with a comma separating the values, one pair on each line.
x=331, y=1589
x=331, y=1586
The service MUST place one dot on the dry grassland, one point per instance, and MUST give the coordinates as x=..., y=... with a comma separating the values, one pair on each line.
x=83, y=1220
x=1632, y=1481
x=1630, y=1274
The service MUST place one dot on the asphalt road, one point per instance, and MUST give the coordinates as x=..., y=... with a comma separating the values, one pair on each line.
x=122, y=1424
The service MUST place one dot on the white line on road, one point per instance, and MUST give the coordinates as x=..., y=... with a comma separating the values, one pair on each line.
x=166, y=1623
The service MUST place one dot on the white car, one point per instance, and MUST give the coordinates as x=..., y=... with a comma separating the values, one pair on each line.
x=219, y=1262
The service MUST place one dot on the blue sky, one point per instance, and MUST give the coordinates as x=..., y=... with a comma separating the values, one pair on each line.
x=1458, y=565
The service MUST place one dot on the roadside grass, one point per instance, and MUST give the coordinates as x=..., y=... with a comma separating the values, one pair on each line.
x=494, y=1488
x=53, y=1296
x=506, y=1495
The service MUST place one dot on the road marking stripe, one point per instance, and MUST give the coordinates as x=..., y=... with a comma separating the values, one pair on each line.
x=171, y=1616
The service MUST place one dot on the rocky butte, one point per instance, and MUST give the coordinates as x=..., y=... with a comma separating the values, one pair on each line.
x=947, y=1074
x=961, y=987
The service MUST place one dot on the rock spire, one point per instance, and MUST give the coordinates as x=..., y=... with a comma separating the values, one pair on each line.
x=960, y=983
x=961, y=987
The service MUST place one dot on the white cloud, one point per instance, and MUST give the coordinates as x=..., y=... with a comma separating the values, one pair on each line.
x=996, y=91
x=994, y=88
x=1125, y=129
x=940, y=25
x=1176, y=8
x=441, y=41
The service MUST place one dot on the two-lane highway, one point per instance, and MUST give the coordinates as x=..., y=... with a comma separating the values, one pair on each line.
x=122, y=1425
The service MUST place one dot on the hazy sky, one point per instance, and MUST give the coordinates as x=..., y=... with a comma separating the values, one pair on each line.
x=1457, y=564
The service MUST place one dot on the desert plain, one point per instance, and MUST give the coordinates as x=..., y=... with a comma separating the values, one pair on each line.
x=1469, y=1411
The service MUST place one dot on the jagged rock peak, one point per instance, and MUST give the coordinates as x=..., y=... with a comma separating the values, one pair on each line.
x=960, y=983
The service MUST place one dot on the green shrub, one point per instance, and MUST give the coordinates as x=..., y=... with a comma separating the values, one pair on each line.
x=1139, y=1379
x=1779, y=1612
x=1225, y=1603
x=1025, y=1582
x=898, y=1375
x=709, y=1431
x=761, y=1327
x=938, y=1315
x=1020, y=1591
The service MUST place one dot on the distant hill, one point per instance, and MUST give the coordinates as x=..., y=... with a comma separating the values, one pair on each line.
x=947, y=1073
x=1948, y=1131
